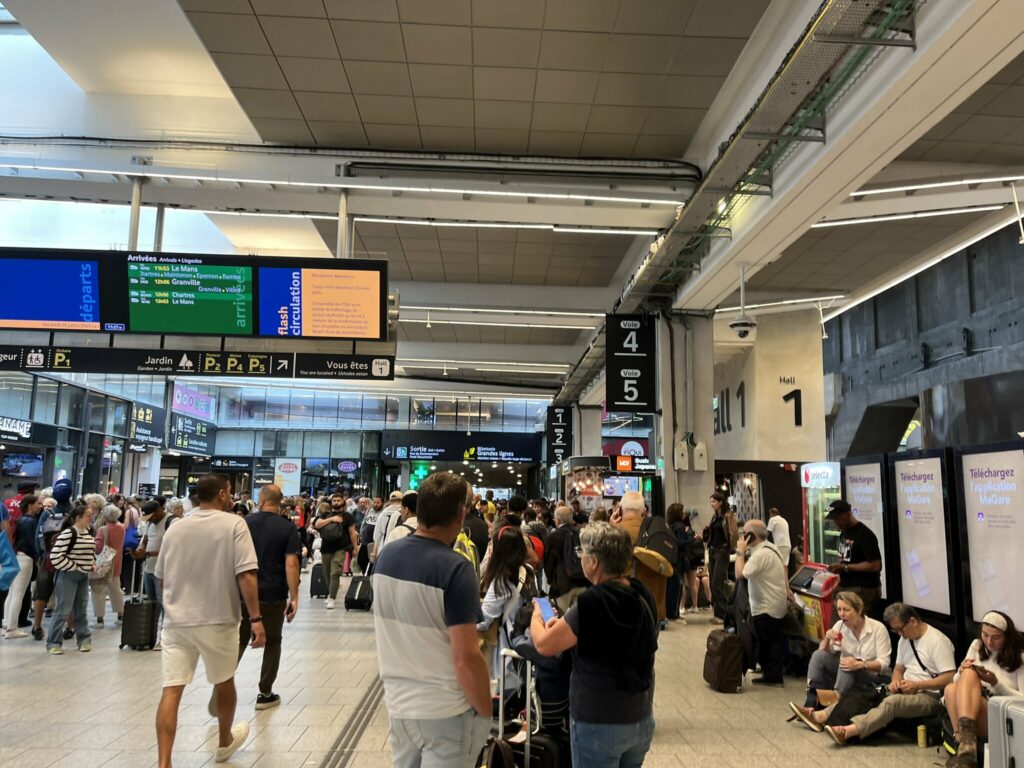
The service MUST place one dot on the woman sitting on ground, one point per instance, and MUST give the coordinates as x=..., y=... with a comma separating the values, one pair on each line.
x=854, y=653
x=613, y=632
x=994, y=666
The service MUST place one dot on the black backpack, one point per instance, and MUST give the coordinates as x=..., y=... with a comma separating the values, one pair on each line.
x=570, y=557
x=656, y=536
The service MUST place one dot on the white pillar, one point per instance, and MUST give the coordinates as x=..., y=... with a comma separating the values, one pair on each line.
x=589, y=432
x=692, y=406
x=158, y=229
x=136, y=210
x=343, y=245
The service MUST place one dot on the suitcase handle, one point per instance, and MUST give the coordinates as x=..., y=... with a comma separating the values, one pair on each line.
x=508, y=653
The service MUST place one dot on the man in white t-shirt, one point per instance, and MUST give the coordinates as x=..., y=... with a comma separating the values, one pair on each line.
x=386, y=521
x=758, y=561
x=205, y=561
x=778, y=527
x=925, y=665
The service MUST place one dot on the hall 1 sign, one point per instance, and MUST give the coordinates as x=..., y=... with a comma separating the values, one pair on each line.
x=559, y=433
x=631, y=363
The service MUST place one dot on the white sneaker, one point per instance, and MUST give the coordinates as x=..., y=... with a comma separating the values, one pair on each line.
x=12, y=634
x=329, y=604
x=239, y=733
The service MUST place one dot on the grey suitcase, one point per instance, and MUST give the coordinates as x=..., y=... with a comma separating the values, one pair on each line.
x=1006, y=731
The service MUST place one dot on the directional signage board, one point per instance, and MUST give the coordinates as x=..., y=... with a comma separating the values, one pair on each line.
x=559, y=433
x=415, y=445
x=192, y=435
x=630, y=363
x=146, y=427
x=280, y=365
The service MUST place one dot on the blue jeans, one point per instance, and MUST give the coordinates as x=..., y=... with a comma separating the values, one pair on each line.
x=152, y=588
x=453, y=742
x=72, y=590
x=610, y=745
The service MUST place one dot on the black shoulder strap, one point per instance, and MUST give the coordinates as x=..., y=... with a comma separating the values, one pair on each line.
x=918, y=657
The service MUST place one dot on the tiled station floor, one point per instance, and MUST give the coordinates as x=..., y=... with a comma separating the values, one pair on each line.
x=97, y=709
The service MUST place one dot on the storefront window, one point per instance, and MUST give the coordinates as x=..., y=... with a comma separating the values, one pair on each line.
x=421, y=413
x=45, y=407
x=97, y=407
x=397, y=412
x=317, y=444
x=117, y=417
x=345, y=444
x=15, y=395
x=110, y=470
x=72, y=404
x=234, y=442
x=445, y=413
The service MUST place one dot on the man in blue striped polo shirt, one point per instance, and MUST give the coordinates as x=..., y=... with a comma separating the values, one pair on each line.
x=426, y=608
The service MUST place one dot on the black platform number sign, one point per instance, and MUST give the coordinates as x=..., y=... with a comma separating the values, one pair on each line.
x=559, y=433
x=630, y=363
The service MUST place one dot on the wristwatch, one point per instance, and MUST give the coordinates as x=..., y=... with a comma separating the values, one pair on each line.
x=255, y=619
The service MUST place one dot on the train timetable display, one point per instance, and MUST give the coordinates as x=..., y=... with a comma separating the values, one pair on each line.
x=198, y=294
x=72, y=300
x=328, y=303
x=189, y=296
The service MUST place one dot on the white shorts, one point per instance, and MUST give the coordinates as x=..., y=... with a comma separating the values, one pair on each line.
x=216, y=644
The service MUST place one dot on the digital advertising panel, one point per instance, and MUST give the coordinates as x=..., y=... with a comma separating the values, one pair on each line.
x=993, y=488
x=198, y=294
x=921, y=523
x=865, y=494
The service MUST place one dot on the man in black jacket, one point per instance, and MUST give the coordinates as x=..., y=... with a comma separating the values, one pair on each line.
x=563, y=588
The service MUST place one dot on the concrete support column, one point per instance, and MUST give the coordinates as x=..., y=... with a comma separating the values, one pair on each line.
x=342, y=248
x=587, y=435
x=136, y=214
x=158, y=229
x=686, y=361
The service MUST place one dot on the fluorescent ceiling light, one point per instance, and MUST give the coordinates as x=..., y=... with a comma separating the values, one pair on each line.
x=481, y=362
x=936, y=185
x=519, y=370
x=503, y=225
x=902, y=216
x=919, y=269
x=429, y=367
x=506, y=311
x=352, y=184
x=783, y=303
x=500, y=325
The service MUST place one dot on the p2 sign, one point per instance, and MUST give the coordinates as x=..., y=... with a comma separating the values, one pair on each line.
x=630, y=363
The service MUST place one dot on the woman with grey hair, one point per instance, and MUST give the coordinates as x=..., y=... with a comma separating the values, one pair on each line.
x=109, y=533
x=613, y=634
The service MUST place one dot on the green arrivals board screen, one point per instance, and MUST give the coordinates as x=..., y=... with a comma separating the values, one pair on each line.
x=190, y=298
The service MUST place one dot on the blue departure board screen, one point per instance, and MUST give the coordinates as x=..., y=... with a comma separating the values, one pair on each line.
x=69, y=301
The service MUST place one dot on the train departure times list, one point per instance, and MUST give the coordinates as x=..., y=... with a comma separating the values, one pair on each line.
x=189, y=296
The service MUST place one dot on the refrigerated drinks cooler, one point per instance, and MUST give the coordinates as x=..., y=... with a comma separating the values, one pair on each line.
x=820, y=486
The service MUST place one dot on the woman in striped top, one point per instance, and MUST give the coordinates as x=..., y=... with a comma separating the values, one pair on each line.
x=73, y=557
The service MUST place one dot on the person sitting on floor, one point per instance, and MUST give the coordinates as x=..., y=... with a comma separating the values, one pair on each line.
x=994, y=666
x=925, y=665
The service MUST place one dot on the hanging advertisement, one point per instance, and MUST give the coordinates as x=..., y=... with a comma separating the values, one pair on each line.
x=993, y=500
x=288, y=476
x=921, y=522
x=864, y=493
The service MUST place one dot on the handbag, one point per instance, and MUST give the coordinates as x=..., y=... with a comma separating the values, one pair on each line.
x=104, y=563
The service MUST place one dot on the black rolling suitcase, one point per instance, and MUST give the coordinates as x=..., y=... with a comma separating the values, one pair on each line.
x=530, y=748
x=318, y=581
x=139, y=621
x=723, y=662
x=360, y=594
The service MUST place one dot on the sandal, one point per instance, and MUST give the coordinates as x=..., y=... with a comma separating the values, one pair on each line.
x=806, y=716
x=838, y=734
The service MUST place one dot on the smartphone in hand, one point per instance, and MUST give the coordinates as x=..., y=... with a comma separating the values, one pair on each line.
x=547, y=610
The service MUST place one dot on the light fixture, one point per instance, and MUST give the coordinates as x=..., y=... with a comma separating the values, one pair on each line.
x=904, y=216
x=821, y=319
x=494, y=464
x=465, y=462
x=428, y=318
x=462, y=474
x=351, y=184
x=505, y=225
x=403, y=360
x=433, y=467
x=499, y=325
x=444, y=371
x=510, y=311
x=972, y=182
x=1016, y=207
x=783, y=303
x=722, y=205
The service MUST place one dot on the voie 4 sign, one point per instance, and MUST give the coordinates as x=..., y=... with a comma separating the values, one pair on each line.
x=630, y=363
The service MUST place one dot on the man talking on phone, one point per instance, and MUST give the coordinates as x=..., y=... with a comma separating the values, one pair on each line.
x=759, y=562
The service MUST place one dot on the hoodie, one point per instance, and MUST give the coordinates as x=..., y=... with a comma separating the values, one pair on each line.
x=613, y=662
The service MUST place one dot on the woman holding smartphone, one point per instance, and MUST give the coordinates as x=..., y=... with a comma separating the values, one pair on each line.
x=613, y=633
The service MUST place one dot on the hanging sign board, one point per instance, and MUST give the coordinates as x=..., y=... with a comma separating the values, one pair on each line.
x=559, y=433
x=630, y=363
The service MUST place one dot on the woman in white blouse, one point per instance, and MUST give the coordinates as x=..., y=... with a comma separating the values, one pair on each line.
x=855, y=652
x=994, y=666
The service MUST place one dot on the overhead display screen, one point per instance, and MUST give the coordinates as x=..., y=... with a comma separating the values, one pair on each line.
x=993, y=499
x=72, y=295
x=196, y=294
x=921, y=516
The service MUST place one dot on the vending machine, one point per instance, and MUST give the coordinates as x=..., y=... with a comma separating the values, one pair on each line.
x=820, y=485
x=815, y=586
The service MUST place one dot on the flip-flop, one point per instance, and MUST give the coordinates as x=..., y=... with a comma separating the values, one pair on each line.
x=804, y=716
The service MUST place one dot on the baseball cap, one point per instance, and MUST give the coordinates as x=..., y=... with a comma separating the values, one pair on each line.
x=396, y=496
x=836, y=508
x=148, y=509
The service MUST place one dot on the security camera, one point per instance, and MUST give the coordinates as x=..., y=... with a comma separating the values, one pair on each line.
x=743, y=326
